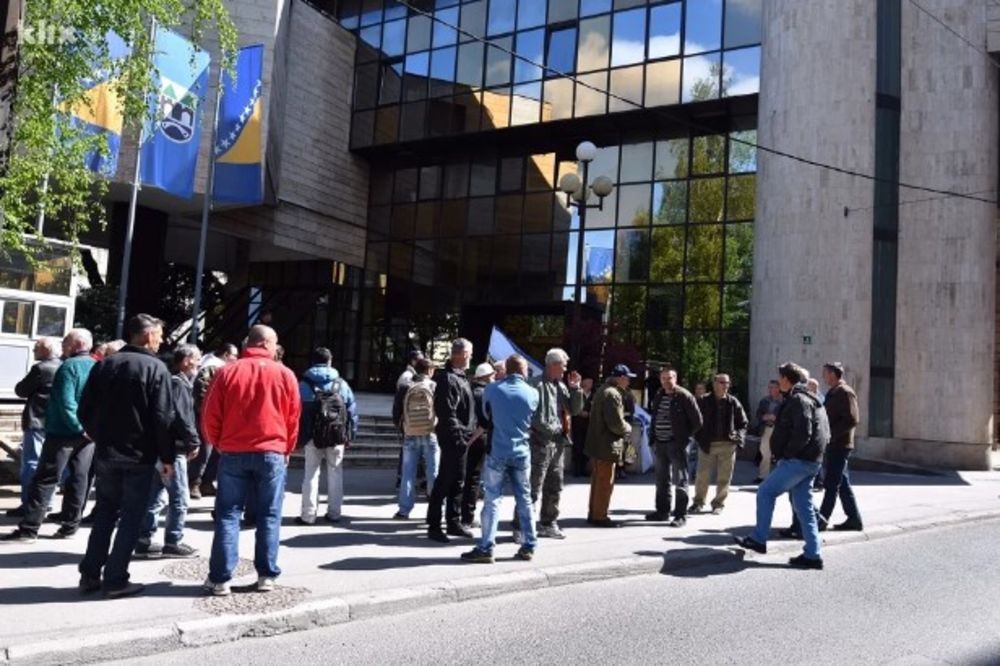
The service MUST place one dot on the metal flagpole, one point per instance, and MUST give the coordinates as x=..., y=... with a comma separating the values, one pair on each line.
x=205, y=210
x=130, y=228
x=40, y=220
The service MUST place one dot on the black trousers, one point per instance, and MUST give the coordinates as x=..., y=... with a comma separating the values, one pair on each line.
x=473, y=469
x=58, y=454
x=448, y=485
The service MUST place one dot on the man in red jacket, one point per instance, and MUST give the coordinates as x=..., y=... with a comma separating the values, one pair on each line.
x=251, y=413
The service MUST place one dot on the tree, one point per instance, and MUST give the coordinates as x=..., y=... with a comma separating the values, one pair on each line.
x=62, y=44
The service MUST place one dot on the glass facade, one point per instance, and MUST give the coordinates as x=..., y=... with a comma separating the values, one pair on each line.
x=466, y=236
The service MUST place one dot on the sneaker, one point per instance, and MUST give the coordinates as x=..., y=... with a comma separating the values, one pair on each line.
x=216, y=589
x=552, y=531
x=457, y=530
x=751, y=544
x=803, y=562
x=207, y=489
x=181, y=550
x=400, y=516
x=129, y=590
x=517, y=537
x=194, y=492
x=657, y=517
x=19, y=536
x=64, y=532
x=524, y=554
x=696, y=508
x=677, y=522
x=148, y=551
x=438, y=535
x=299, y=520
x=716, y=510
x=265, y=584
x=477, y=556
x=15, y=513
x=88, y=584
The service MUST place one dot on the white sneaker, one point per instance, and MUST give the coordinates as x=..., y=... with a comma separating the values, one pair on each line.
x=265, y=584
x=217, y=589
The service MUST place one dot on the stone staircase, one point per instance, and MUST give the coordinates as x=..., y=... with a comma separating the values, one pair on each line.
x=378, y=444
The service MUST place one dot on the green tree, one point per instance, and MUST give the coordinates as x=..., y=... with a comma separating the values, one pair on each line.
x=43, y=142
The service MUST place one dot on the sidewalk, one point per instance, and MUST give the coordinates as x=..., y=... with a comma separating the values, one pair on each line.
x=370, y=564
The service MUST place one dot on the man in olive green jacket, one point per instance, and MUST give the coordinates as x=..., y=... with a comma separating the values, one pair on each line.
x=606, y=436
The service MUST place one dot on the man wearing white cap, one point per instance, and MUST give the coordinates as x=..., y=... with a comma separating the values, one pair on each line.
x=485, y=373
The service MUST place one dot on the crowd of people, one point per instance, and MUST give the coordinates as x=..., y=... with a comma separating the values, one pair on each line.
x=149, y=439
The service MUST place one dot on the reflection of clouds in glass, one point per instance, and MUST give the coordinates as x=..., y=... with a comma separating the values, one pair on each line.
x=593, y=51
x=699, y=70
x=628, y=51
x=745, y=86
x=662, y=46
x=741, y=72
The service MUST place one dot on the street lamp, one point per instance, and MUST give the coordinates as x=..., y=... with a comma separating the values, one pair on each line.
x=577, y=193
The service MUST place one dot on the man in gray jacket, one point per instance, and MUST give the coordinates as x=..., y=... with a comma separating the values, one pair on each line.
x=35, y=388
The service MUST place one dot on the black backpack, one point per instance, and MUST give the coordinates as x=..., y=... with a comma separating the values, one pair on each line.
x=330, y=424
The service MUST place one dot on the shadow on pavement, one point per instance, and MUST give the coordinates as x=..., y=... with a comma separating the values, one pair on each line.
x=36, y=559
x=334, y=538
x=711, y=537
x=22, y=596
x=383, y=563
x=705, y=562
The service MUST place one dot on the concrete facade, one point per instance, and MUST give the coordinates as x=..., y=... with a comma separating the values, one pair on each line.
x=812, y=266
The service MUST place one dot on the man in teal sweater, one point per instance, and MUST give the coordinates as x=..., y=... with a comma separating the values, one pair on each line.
x=66, y=446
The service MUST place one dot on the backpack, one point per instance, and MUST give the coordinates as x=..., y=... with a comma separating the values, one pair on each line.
x=418, y=410
x=330, y=424
x=820, y=431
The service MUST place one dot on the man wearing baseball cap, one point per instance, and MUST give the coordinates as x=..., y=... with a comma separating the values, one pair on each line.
x=606, y=437
x=483, y=377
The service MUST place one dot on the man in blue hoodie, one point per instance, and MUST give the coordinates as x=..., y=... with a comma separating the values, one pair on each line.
x=318, y=379
x=509, y=405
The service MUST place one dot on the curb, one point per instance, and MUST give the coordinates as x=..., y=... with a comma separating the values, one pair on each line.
x=339, y=610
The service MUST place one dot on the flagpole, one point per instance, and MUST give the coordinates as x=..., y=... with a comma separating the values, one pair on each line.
x=206, y=208
x=40, y=220
x=130, y=228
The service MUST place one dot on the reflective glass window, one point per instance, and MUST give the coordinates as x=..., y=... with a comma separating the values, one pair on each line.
x=736, y=305
x=480, y=216
x=591, y=100
x=591, y=7
x=626, y=89
x=498, y=63
x=415, y=83
x=666, y=313
x=562, y=49
x=703, y=26
x=530, y=14
x=672, y=158
x=371, y=12
x=394, y=38
x=740, y=197
x=471, y=109
x=456, y=180
x=535, y=255
x=496, y=108
x=606, y=163
x=348, y=14
x=366, y=86
x=531, y=46
x=704, y=253
x=418, y=34
x=709, y=154
x=595, y=44
x=600, y=218
x=706, y=200
x=663, y=83
x=484, y=176
x=628, y=4
x=741, y=72
x=393, y=10
x=743, y=151
x=526, y=103
x=633, y=205
x=560, y=10
x=670, y=202
x=739, y=252
x=540, y=172
x=743, y=23
x=430, y=182
x=665, y=31
x=701, y=350
x=508, y=214
x=511, y=174
x=538, y=212
x=558, y=99
x=470, y=64
x=598, y=256
x=444, y=34
x=413, y=123
x=442, y=71
x=632, y=256
x=51, y=321
x=474, y=19
x=427, y=216
x=501, y=17
x=391, y=84
x=637, y=162
x=701, y=78
x=628, y=41
x=17, y=317
x=401, y=222
x=667, y=262
x=372, y=35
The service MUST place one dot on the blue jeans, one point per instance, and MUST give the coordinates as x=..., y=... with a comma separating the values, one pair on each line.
x=239, y=474
x=415, y=448
x=31, y=449
x=172, y=494
x=793, y=477
x=122, y=492
x=692, y=455
x=517, y=470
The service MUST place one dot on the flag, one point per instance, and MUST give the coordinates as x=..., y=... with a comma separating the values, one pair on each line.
x=100, y=111
x=502, y=346
x=170, y=148
x=599, y=264
x=238, y=174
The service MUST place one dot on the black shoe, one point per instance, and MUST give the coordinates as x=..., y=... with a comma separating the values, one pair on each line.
x=677, y=522
x=849, y=526
x=16, y=513
x=657, y=517
x=88, y=519
x=56, y=517
x=477, y=556
x=19, y=536
x=88, y=584
x=299, y=521
x=194, y=492
x=789, y=533
x=438, y=535
x=751, y=544
x=145, y=550
x=64, y=533
x=696, y=508
x=756, y=482
x=822, y=525
x=129, y=590
x=457, y=530
x=332, y=521
x=524, y=554
x=607, y=522
x=803, y=562
x=400, y=516
x=179, y=550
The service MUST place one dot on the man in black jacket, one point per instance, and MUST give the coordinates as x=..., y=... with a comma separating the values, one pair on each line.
x=35, y=388
x=453, y=404
x=675, y=418
x=127, y=408
x=172, y=492
x=724, y=430
x=478, y=445
x=801, y=433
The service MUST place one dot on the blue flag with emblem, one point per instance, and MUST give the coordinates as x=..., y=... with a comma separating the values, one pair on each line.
x=100, y=110
x=170, y=147
x=238, y=172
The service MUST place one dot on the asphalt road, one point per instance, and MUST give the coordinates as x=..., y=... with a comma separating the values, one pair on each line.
x=925, y=598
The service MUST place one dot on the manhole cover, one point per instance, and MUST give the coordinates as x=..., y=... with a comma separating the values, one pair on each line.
x=246, y=600
x=197, y=569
